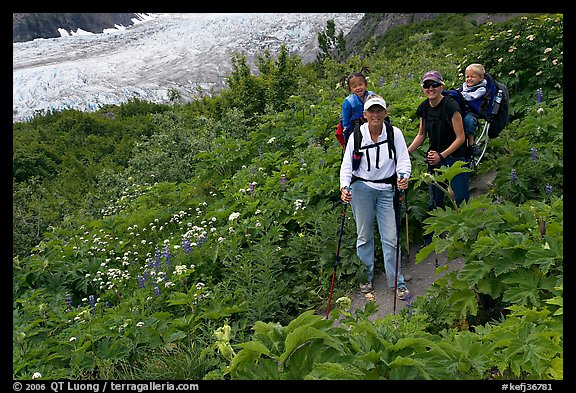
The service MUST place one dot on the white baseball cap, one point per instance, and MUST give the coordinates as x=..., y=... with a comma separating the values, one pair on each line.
x=374, y=100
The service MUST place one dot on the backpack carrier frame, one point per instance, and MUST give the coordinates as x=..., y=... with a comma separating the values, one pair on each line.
x=485, y=119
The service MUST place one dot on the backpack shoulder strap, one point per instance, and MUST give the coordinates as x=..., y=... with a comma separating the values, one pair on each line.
x=390, y=139
x=357, y=137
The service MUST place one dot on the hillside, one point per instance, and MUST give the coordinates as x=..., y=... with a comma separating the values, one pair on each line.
x=196, y=241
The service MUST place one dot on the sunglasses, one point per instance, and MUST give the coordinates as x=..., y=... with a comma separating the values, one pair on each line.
x=428, y=84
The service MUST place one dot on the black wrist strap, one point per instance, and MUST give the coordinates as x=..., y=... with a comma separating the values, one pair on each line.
x=441, y=156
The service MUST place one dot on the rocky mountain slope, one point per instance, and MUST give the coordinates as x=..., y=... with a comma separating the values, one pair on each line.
x=29, y=26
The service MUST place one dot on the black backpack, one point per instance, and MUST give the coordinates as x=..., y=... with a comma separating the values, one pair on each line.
x=494, y=105
x=497, y=105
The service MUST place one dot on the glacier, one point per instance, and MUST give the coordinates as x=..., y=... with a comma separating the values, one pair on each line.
x=187, y=52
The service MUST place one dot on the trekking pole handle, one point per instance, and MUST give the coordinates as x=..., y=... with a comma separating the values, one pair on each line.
x=401, y=174
x=348, y=188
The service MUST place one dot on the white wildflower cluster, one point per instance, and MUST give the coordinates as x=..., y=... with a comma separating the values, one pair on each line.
x=298, y=204
x=196, y=233
x=233, y=216
x=271, y=140
x=110, y=277
x=181, y=269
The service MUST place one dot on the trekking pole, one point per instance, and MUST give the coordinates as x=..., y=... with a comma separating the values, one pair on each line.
x=407, y=236
x=337, y=259
x=397, y=213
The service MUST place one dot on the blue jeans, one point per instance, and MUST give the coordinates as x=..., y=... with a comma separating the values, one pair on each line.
x=470, y=123
x=367, y=204
x=460, y=185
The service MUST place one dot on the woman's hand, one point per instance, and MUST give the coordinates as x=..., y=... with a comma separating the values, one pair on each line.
x=433, y=157
x=402, y=183
x=346, y=194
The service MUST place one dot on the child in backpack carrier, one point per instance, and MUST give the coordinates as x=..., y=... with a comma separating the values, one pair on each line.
x=353, y=105
x=473, y=91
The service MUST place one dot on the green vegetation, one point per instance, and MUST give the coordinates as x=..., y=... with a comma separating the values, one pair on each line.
x=197, y=240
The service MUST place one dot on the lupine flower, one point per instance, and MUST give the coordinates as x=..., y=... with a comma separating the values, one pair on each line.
x=548, y=188
x=186, y=245
x=381, y=82
x=259, y=151
x=513, y=176
x=283, y=182
x=167, y=255
x=92, y=302
x=156, y=290
x=157, y=259
x=410, y=75
x=68, y=302
x=539, y=96
x=533, y=154
x=252, y=187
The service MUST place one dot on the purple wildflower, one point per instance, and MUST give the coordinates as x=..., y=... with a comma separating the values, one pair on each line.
x=548, y=188
x=166, y=253
x=381, y=82
x=92, y=302
x=201, y=239
x=140, y=281
x=539, y=96
x=156, y=263
x=513, y=176
x=259, y=151
x=68, y=302
x=283, y=182
x=186, y=245
x=410, y=75
x=252, y=188
x=533, y=154
x=156, y=290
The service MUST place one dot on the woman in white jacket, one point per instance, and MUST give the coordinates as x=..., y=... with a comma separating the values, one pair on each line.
x=371, y=189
